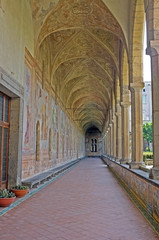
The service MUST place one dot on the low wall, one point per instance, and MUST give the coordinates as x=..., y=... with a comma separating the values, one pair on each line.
x=144, y=189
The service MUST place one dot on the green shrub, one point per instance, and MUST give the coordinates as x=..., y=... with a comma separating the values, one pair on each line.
x=20, y=187
x=147, y=155
x=6, y=194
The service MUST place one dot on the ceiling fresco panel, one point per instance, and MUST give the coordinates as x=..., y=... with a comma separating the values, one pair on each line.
x=80, y=42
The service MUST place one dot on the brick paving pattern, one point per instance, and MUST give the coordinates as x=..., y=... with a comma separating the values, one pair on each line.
x=86, y=203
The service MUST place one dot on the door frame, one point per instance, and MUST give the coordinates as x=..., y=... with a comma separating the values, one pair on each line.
x=4, y=125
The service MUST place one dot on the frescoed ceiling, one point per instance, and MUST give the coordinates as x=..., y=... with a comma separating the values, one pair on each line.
x=80, y=43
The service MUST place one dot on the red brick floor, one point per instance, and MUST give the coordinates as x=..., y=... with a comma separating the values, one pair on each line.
x=86, y=203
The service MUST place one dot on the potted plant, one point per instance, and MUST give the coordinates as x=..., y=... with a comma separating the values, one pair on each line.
x=20, y=190
x=6, y=198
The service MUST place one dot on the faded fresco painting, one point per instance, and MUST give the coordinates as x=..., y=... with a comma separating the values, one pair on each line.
x=54, y=124
x=27, y=108
x=44, y=113
x=42, y=109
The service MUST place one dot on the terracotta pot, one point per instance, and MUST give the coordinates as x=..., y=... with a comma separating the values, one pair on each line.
x=6, y=202
x=20, y=192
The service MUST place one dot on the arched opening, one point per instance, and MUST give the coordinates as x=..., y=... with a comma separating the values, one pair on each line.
x=147, y=103
x=93, y=143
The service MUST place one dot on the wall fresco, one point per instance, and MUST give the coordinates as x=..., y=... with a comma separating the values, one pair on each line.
x=54, y=113
x=27, y=108
x=39, y=105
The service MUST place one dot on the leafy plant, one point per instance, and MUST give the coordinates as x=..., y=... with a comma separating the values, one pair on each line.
x=6, y=194
x=147, y=155
x=147, y=134
x=20, y=187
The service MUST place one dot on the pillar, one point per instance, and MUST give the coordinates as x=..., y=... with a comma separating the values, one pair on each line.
x=114, y=136
x=107, y=143
x=125, y=132
x=118, y=134
x=136, y=124
x=111, y=139
x=154, y=53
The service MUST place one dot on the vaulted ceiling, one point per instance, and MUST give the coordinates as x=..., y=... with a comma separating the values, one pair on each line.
x=80, y=44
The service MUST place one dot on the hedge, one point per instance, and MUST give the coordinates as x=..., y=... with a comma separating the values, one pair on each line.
x=147, y=155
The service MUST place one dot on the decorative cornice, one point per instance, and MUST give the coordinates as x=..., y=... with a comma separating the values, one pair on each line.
x=10, y=86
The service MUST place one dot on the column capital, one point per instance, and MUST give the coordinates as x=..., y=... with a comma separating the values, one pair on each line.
x=118, y=110
x=114, y=118
x=125, y=104
x=153, y=49
x=118, y=114
x=137, y=86
x=110, y=125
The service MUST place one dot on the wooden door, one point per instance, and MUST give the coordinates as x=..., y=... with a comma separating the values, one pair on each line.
x=4, y=138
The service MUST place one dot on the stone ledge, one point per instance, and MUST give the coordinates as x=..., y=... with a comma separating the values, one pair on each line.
x=40, y=178
x=145, y=169
x=139, y=172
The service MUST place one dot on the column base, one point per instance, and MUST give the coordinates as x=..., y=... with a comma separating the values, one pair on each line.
x=124, y=161
x=154, y=173
x=117, y=159
x=135, y=165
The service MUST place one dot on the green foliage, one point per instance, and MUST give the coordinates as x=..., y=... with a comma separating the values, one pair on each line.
x=147, y=134
x=147, y=155
x=20, y=187
x=6, y=194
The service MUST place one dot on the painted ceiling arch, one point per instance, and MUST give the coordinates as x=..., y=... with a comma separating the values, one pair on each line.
x=75, y=84
x=79, y=42
x=102, y=105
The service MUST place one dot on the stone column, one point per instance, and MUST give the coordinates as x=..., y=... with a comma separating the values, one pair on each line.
x=154, y=53
x=125, y=132
x=136, y=124
x=114, y=136
x=107, y=143
x=111, y=139
x=118, y=134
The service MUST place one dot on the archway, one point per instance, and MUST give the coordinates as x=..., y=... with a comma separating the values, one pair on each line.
x=93, y=142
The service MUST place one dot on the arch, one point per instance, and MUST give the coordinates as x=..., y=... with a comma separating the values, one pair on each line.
x=137, y=43
x=73, y=20
x=125, y=70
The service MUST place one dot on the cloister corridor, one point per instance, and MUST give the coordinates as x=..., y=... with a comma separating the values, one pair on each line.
x=85, y=203
x=71, y=119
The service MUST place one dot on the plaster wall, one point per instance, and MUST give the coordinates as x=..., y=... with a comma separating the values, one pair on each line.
x=16, y=33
